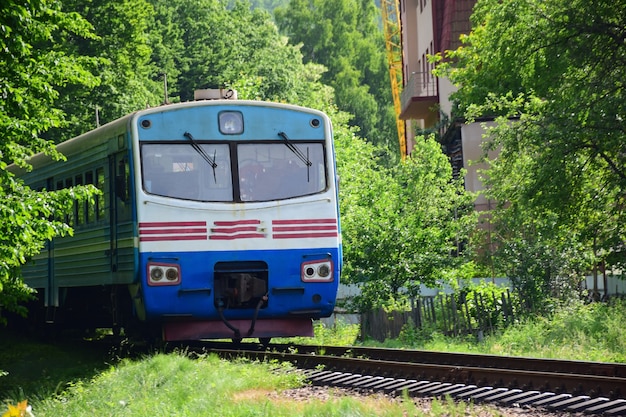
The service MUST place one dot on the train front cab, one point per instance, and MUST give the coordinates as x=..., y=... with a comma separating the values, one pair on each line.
x=230, y=246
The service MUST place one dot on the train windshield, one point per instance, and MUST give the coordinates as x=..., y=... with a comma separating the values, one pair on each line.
x=260, y=171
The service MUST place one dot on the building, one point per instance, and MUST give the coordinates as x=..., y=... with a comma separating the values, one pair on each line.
x=429, y=27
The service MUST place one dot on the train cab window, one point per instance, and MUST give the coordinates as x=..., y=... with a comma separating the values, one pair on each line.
x=202, y=172
x=278, y=171
x=196, y=171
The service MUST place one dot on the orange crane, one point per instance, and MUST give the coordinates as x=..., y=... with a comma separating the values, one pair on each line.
x=393, y=44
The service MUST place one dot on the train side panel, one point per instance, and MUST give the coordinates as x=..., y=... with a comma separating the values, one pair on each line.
x=76, y=276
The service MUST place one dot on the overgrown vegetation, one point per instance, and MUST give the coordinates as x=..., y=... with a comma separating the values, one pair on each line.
x=576, y=331
x=339, y=334
x=401, y=225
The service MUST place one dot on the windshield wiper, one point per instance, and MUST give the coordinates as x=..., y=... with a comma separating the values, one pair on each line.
x=304, y=158
x=203, y=154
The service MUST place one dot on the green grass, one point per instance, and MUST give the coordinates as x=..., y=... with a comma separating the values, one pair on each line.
x=177, y=385
x=39, y=370
x=341, y=334
x=594, y=332
x=62, y=381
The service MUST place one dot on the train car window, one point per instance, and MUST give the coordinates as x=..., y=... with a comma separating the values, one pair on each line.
x=79, y=207
x=197, y=171
x=69, y=218
x=100, y=199
x=277, y=171
x=90, y=214
x=59, y=186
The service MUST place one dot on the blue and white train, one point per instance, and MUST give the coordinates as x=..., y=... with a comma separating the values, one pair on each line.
x=217, y=219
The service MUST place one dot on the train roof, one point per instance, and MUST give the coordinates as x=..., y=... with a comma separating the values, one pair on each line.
x=110, y=131
x=79, y=143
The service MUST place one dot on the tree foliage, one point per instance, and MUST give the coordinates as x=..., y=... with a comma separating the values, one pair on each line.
x=402, y=226
x=268, y=5
x=32, y=70
x=144, y=47
x=346, y=37
x=557, y=68
x=119, y=54
x=206, y=45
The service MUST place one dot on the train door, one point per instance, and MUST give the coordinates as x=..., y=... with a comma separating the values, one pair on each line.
x=121, y=214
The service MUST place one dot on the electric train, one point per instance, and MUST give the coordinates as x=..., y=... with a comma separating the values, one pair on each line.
x=217, y=218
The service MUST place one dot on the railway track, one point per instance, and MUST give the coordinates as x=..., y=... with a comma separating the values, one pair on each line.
x=555, y=385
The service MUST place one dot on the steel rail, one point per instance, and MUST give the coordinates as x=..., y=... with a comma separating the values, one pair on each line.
x=573, y=392
x=609, y=369
x=465, y=359
x=577, y=384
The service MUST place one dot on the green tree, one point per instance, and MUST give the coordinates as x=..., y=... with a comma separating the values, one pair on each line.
x=345, y=36
x=206, y=45
x=402, y=226
x=121, y=53
x=557, y=69
x=32, y=69
x=268, y=5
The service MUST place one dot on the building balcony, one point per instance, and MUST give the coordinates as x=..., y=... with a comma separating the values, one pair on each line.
x=419, y=97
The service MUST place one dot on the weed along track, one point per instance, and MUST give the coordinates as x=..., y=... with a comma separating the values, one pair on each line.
x=554, y=385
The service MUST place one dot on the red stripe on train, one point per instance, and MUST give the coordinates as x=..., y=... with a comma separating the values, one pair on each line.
x=171, y=224
x=305, y=221
x=173, y=238
x=237, y=236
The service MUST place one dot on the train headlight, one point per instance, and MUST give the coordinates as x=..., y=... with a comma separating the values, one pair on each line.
x=323, y=270
x=163, y=274
x=309, y=272
x=171, y=274
x=317, y=271
x=231, y=122
x=156, y=273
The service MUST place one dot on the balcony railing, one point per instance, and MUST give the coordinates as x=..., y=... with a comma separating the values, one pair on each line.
x=419, y=94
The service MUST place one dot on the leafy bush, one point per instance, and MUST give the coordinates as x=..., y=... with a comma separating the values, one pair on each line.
x=488, y=304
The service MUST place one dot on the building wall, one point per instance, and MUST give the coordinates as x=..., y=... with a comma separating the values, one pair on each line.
x=417, y=35
x=471, y=139
x=408, y=17
x=429, y=27
x=445, y=89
